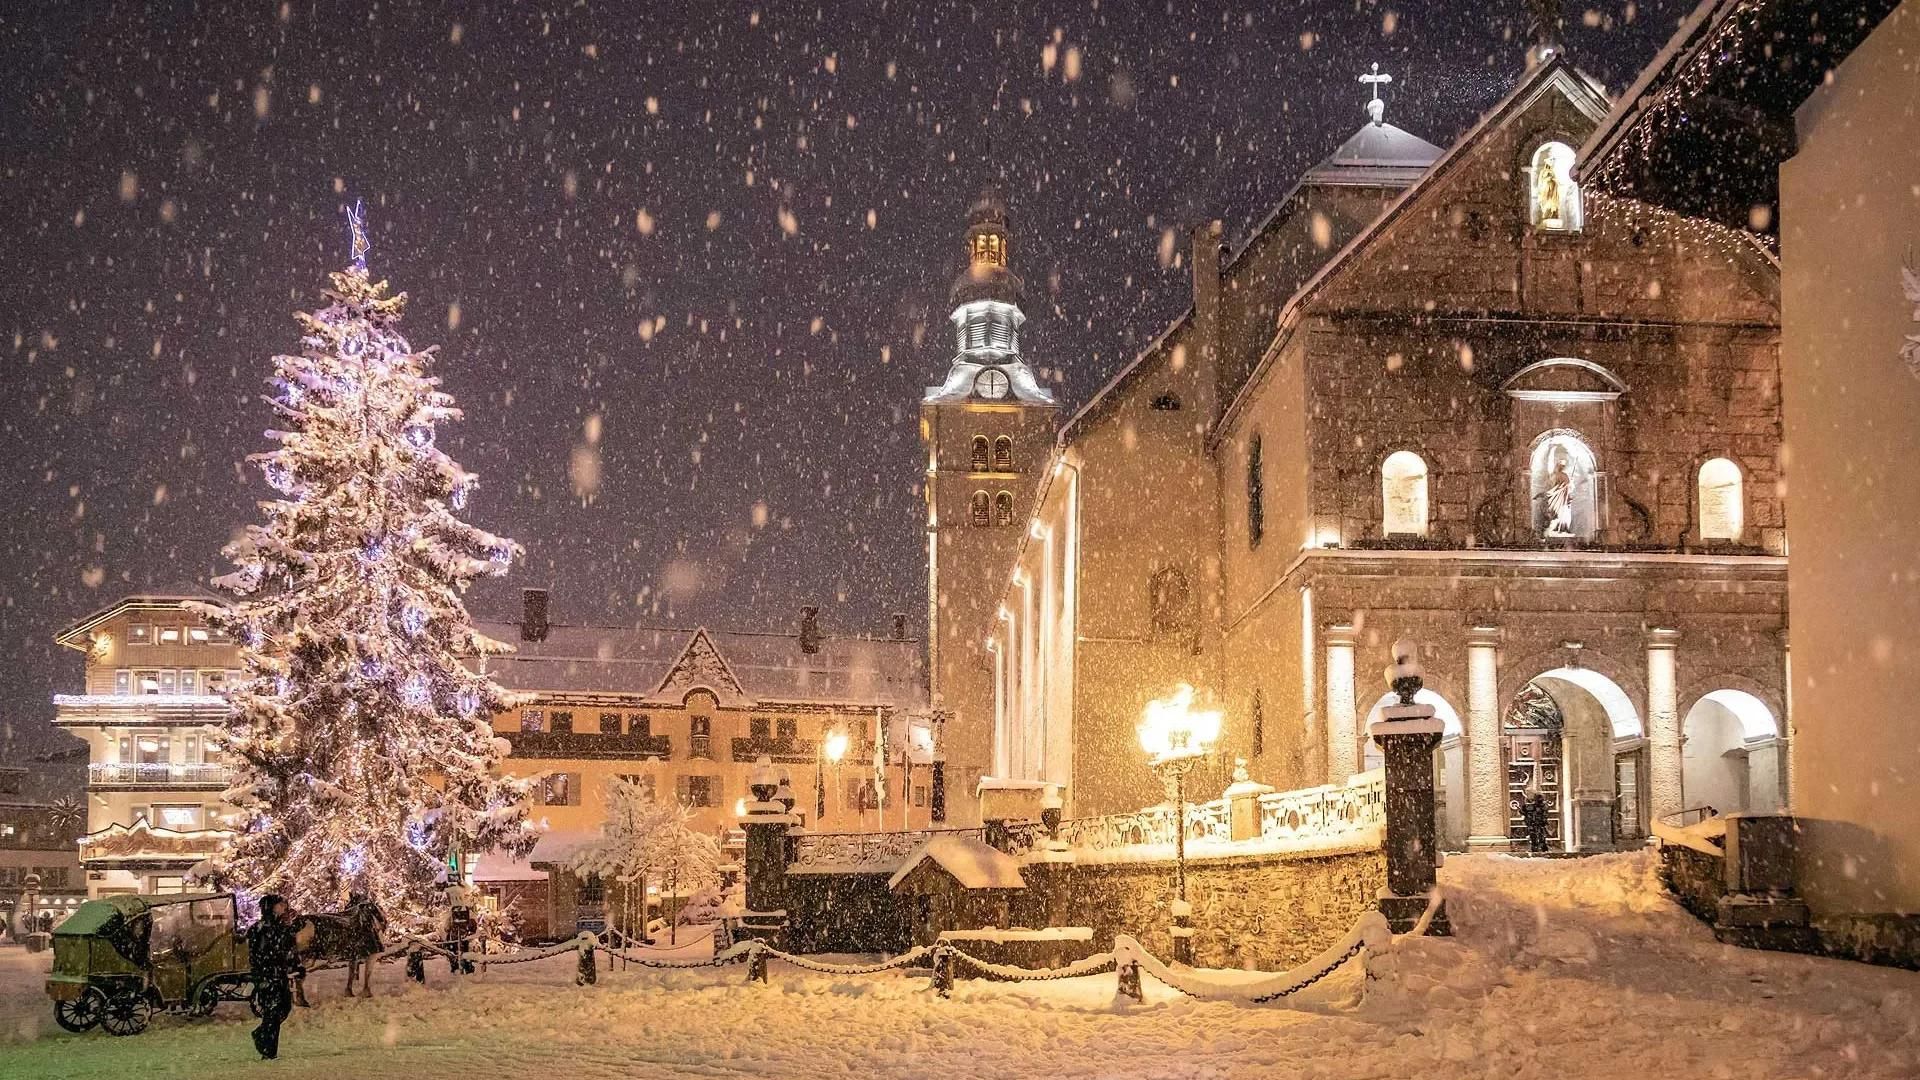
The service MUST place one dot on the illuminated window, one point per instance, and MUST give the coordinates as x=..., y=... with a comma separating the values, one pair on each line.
x=169, y=635
x=1553, y=199
x=189, y=682
x=1256, y=494
x=1003, y=508
x=180, y=818
x=1722, y=505
x=139, y=634
x=197, y=635
x=1403, y=495
x=1003, y=454
x=979, y=453
x=981, y=508
x=123, y=681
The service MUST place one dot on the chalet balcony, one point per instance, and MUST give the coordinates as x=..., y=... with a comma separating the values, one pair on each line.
x=785, y=751
x=586, y=745
x=155, y=776
x=140, y=710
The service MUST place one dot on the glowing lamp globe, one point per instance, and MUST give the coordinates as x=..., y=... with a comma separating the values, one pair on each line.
x=836, y=745
x=1172, y=728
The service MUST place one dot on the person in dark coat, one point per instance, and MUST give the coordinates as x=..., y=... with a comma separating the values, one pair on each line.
x=270, y=949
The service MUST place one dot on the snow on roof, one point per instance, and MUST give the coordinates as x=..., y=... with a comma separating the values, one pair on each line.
x=663, y=662
x=1377, y=154
x=973, y=863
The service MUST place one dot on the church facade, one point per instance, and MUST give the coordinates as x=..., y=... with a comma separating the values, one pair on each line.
x=1438, y=394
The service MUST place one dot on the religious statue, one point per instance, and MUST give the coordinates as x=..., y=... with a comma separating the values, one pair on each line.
x=1558, y=496
x=1546, y=188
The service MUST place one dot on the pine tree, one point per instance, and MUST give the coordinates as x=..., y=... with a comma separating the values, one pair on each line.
x=362, y=732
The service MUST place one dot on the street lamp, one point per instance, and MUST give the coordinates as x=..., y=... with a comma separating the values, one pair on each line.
x=1176, y=736
x=832, y=748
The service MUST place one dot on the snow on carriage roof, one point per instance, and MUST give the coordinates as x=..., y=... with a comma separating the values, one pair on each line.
x=741, y=667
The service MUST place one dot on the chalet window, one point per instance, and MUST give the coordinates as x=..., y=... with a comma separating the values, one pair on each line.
x=169, y=635
x=218, y=636
x=1003, y=454
x=1003, y=508
x=700, y=727
x=179, y=817
x=1256, y=494
x=560, y=789
x=169, y=681
x=139, y=634
x=639, y=724
x=563, y=723
x=146, y=682
x=761, y=728
x=123, y=681
x=980, y=508
x=533, y=720
x=609, y=723
x=197, y=635
x=189, y=681
x=979, y=461
x=698, y=790
x=788, y=729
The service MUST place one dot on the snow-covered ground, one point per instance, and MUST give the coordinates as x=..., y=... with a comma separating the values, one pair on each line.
x=1563, y=969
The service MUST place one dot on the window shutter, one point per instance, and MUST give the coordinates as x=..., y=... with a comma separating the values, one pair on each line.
x=573, y=789
x=681, y=786
x=719, y=798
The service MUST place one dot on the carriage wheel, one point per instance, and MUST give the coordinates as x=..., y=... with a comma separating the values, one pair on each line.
x=126, y=1014
x=81, y=1013
x=205, y=999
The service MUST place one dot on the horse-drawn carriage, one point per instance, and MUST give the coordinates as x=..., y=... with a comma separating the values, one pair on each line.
x=118, y=958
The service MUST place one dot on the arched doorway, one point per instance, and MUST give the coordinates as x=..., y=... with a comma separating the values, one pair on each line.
x=1574, y=735
x=1730, y=754
x=1449, y=766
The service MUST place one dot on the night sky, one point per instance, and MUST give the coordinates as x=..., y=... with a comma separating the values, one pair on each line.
x=687, y=262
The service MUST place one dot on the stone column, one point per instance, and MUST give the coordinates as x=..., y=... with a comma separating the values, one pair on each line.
x=1663, y=724
x=1486, y=764
x=766, y=827
x=1791, y=796
x=1407, y=734
x=1343, y=723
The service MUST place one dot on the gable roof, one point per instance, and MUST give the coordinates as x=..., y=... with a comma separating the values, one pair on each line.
x=699, y=667
x=1556, y=72
x=973, y=863
x=759, y=668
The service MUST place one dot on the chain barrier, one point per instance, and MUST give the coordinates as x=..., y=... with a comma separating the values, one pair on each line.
x=732, y=955
x=1369, y=931
x=906, y=959
x=1097, y=964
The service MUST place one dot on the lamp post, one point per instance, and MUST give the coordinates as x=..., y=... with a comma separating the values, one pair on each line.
x=832, y=748
x=1176, y=736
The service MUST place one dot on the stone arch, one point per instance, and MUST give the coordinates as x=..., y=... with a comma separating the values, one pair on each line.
x=1515, y=674
x=1577, y=733
x=1732, y=755
x=1449, y=760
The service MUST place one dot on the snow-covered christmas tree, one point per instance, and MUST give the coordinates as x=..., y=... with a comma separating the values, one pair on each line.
x=362, y=734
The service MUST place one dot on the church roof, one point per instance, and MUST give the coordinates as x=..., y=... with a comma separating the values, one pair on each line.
x=1580, y=88
x=1377, y=154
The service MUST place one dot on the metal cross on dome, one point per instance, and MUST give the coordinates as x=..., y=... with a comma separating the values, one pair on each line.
x=1375, y=107
x=357, y=233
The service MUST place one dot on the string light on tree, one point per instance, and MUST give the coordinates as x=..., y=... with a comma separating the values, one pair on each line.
x=362, y=739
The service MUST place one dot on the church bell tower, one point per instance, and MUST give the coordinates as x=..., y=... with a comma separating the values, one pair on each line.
x=988, y=429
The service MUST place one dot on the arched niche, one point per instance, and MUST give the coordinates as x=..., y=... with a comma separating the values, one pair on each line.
x=1403, y=495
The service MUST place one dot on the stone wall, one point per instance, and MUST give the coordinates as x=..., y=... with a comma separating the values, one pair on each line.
x=853, y=913
x=1266, y=912
x=1261, y=912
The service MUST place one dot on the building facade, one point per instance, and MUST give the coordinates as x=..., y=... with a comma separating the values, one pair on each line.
x=151, y=685
x=40, y=874
x=1437, y=394
x=986, y=429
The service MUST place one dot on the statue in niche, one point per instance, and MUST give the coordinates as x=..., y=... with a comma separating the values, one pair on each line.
x=1557, y=496
x=1547, y=193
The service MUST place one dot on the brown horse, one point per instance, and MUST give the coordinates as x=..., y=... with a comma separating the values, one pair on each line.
x=351, y=935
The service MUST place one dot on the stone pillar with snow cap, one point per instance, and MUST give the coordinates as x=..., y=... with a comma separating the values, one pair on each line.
x=766, y=823
x=1407, y=734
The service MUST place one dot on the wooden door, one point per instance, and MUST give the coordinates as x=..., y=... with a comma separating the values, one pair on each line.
x=1529, y=752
